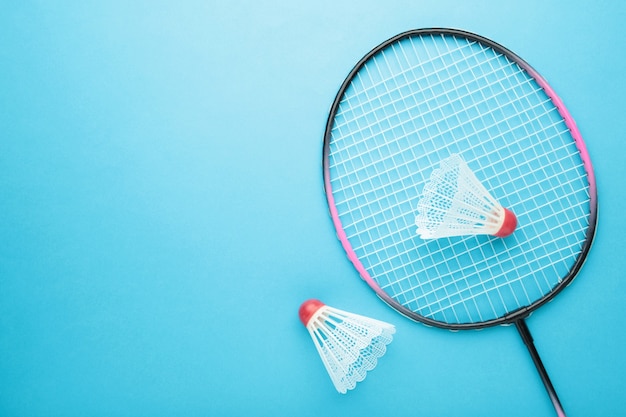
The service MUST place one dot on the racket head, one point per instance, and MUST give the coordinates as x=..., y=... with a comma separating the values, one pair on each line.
x=411, y=102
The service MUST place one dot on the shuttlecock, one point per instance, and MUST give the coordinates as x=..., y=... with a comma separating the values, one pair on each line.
x=348, y=344
x=455, y=203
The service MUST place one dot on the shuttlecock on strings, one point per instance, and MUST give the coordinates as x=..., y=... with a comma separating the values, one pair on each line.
x=455, y=203
x=348, y=344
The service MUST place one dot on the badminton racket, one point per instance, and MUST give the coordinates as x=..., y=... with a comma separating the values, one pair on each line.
x=413, y=101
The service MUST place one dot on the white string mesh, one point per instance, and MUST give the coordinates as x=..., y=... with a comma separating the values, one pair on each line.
x=414, y=104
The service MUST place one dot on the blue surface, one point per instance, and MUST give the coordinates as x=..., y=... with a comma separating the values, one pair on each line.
x=162, y=214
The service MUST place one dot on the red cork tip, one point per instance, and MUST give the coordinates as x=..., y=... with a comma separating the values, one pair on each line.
x=508, y=225
x=307, y=309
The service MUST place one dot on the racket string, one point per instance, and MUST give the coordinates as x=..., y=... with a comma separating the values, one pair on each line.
x=412, y=104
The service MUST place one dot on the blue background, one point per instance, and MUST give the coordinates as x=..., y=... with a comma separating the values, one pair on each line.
x=162, y=213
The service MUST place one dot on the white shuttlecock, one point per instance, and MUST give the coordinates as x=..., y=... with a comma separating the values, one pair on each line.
x=348, y=344
x=455, y=203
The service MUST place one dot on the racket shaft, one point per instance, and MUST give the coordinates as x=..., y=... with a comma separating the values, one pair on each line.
x=528, y=341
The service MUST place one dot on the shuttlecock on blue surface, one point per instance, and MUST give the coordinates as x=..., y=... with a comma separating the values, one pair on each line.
x=348, y=344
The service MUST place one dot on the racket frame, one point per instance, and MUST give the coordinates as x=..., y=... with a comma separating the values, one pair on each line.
x=515, y=315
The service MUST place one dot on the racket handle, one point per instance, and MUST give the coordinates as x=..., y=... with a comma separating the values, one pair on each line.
x=528, y=341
